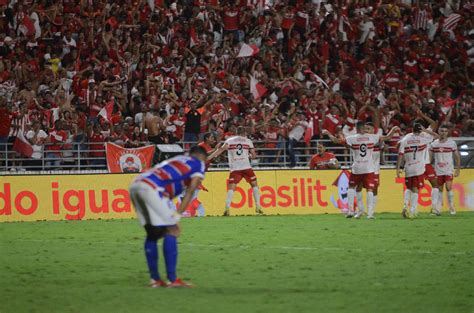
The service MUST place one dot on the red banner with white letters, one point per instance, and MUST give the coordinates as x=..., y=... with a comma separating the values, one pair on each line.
x=128, y=160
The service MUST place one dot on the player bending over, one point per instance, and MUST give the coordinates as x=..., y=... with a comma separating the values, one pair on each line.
x=412, y=153
x=152, y=193
x=444, y=153
x=363, y=167
x=239, y=149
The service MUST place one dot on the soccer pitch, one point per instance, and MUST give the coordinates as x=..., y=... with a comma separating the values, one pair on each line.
x=317, y=263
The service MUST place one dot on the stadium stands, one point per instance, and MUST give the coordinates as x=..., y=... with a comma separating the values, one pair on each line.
x=129, y=72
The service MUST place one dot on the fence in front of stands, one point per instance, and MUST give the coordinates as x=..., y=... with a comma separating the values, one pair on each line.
x=80, y=156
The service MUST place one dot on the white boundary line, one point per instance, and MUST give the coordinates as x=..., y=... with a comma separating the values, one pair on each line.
x=249, y=247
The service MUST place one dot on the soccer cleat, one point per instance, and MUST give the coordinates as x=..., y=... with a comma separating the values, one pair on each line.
x=349, y=214
x=359, y=214
x=158, y=283
x=452, y=211
x=435, y=212
x=259, y=210
x=178, y=283
x=405, y=213
x=226, y=212
x=371, y=217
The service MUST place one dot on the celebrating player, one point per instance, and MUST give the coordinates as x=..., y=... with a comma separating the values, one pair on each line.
x=362, y=146
x=412, y=151
x=151, y=194
x=373, y=129
x=443, y=152
x=239, y=149
x=430, y=173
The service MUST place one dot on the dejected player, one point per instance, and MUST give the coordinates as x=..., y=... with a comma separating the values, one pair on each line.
x=444, y=153
x=239, y=150
x=151, y=194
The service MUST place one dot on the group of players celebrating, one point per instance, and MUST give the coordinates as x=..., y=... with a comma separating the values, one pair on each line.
x=153, y=191
x=423, y=154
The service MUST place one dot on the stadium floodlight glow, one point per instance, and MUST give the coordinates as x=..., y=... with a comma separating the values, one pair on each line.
x=464, y=153
x=464, y=147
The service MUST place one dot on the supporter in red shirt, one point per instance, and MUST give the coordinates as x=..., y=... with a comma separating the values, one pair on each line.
x=332, y=120
x=96, y=146
x=323, y=160
x=57, y=137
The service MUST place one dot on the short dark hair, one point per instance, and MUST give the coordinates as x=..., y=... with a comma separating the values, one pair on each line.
x=241, y=130
x=207, y=135
x=417, y=127
x=360, y=125
x=444, y=126
x=369, y=124
x=197, y=150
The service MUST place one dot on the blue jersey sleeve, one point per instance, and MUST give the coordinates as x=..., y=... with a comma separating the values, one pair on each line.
x=198, y=168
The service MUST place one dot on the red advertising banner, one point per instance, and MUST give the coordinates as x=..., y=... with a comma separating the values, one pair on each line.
x=128, y=160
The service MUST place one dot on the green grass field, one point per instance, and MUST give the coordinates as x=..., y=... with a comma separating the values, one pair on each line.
x=320, y=263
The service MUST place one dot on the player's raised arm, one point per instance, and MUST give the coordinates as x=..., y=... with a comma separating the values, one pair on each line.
x=390, y=133
x=433, y=124
x=217, y=152
x=430, y=132
x=193, y=184
x=332, y=137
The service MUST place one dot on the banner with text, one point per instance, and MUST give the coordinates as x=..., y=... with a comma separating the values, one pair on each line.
x=104, y=196
x=128, y=160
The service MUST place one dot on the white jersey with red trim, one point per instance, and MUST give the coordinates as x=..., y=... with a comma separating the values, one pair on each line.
x=238, y=148
x=376, y=153
x=443, y=156
x=362, y=151
x=430, y=137
x=414, y=148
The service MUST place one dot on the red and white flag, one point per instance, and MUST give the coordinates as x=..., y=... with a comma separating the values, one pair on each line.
x=308, y=134
x=27, y=27
x=448, y=105
x=22, y=146
x=452, y=21
x=315, y=76
x=258, y=90
x=106, y=111
x=128, y=160
x=248, y=51
x=194, y=38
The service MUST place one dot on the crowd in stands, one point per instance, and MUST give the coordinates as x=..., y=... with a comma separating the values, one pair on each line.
x=161, y=71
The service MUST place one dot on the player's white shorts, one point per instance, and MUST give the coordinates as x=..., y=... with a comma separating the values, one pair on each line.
x=152, y=208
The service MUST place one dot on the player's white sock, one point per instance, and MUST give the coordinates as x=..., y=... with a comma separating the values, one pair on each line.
x=228, y=200
x=256, y=196
x=451, y=200
x=434, y=199
x=413, y=203
x=360, y=203
x=370, y=203
x=440, y=201
x=375, y=202
x=350, y=198
x=406, y=198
